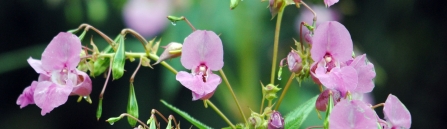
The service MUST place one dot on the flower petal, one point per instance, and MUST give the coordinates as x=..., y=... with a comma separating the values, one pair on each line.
x=48, y=95
x=334, y=39
x=396, y=112
x=83, y=86
x=366, y=74
x=27, y=96
x=353, y=114
x=342, y=79
x=37, y=65
x=202, y=47
x=62, y=52
x=193, y=83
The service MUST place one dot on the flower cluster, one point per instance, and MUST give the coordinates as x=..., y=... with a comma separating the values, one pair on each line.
x=58, y=76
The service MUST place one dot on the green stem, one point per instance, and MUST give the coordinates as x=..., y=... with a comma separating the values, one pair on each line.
x=138, y=55
x=285, y=90
x=275, y=44
x=232, y=93
x=220, y=113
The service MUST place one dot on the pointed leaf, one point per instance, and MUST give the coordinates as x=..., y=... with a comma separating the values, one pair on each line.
x=185, y=115
x=132, y=106
x=294, y=119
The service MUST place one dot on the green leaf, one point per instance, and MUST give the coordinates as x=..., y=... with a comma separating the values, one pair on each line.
x=118, y=60
x=294, y=119
x=132, y=106
x=185, y=115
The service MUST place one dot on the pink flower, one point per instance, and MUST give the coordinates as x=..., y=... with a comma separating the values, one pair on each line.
x=332, y=46
x=147, y=17
x=58, y=74
x=353, y=114
x=202, y=52
x=329, y=3
x=396, y=114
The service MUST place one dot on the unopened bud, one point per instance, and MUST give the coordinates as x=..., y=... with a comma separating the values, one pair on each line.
x=294, y=61
x=172, y=50
x=322, y=100
x=270, y=91
x=276, y=121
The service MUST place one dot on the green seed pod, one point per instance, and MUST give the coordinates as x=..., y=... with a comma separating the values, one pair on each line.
x=118, y=60
x=132, y=106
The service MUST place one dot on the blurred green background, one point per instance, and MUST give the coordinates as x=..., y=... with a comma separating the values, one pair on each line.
x=404, y=39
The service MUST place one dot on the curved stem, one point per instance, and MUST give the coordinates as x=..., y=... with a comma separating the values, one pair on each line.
x=107, y=80
x=378, y=105
x=232, y=93
x=285, y=90
x=139, y=121
x=220, y=113
x=275, y=44
x=138, y=36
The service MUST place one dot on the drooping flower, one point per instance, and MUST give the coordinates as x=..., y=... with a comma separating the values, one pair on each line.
x=147, y=17
x=396, y=114
x=202, y=53
x=352, y=114
x=294, y=61
x=58, y=74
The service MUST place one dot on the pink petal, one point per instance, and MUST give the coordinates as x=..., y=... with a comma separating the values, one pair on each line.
x=353, y=114
x=48, y=95
x=201, y=97
x=191, y=82
x=212, y=82
x=366, y=74
x=27, y=95
x=84, y=85
x=37, y=65
x=202, y=47
x=329, y=3
x=334, y=39
x=396, y=112
x=341, y=79
x=62, y=52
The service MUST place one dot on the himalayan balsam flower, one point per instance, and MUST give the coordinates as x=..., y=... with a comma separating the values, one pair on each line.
x=202, y=53
x=332, y=45
x=59, y=77
x=396, y=114
x=353, y=114
x=294, y=61
x=172, y=50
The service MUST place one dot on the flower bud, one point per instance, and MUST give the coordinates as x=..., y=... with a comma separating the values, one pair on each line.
x=322, y=100
x=172, y=50
x=294, y=61
x=270, y=91
x=275, y=6
x=276, y=121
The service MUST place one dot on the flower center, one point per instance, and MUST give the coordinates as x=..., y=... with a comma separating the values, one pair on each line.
x=202, y=70
x=329, y=62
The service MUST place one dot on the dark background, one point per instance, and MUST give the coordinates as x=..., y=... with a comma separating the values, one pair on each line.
x=405, y=39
